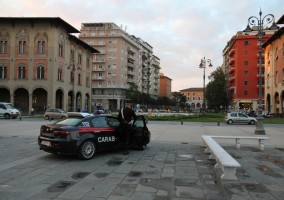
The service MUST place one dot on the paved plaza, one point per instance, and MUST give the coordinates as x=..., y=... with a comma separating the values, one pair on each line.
x=173, y=166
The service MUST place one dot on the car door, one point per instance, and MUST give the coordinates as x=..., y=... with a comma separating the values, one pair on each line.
x=243, y=118
x=105, y=131
x=140, y=131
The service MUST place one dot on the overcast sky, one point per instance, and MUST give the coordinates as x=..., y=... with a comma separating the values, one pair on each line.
x=181, y=32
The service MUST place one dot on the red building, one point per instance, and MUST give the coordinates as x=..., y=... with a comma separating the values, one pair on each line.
x=165, y=86
x=242, y=68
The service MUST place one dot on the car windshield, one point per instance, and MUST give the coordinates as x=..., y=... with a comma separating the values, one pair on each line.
x=9, y=106
x=70, y=121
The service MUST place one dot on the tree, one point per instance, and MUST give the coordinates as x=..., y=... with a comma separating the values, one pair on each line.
x=179, y=100
x=216, y=93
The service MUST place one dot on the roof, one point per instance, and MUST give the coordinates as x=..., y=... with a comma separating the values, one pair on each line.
x=276, y=35
x=281, y=20
x=32, y=20
x=192, y=89
x=82, y=43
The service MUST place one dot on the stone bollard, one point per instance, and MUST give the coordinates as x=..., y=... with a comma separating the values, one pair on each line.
x=20, y=117
x=181, y=123
x=218, y=123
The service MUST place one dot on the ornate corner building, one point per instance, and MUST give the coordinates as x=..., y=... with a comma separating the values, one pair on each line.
x=42, y=65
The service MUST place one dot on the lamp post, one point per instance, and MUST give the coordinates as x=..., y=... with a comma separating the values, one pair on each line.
x=73, y=67
x=267, y=22
x=203, y=65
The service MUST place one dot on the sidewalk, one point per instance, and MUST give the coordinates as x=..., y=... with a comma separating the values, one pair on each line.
x=173, y=166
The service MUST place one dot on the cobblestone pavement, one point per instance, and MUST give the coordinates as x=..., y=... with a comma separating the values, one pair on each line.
x=173, y=166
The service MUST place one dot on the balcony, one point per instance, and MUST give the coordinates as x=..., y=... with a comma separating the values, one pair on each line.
x=99, y=60
x=231, y=61
x=98, y=43
x=130, y=65
x=232, y=51
x=97, y=69
x=130, y=57
x=98, y=78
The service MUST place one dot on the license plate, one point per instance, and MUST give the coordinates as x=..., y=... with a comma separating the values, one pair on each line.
x=46, y=143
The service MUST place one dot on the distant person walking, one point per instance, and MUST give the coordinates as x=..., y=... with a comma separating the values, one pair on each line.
x=125, y=116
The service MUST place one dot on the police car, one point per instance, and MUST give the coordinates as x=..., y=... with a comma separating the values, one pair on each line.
x=84, y=137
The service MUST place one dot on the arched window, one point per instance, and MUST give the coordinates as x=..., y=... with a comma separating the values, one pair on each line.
x=40, y=47
x=21, y=72
x=59, y=74
x=3, y=72
x=22, y=47
x=40, y=72
x=3, y=46
x=79, y=79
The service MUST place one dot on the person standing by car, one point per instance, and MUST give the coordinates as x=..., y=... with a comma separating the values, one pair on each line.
x=125, y=116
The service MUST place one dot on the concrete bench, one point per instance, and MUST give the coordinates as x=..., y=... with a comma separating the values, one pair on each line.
x=238, y=138
x=223, y=159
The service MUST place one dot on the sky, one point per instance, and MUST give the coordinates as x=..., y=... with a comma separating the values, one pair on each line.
x=181, y=32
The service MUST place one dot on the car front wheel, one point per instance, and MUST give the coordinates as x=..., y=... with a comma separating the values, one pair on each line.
x=230, y=121
x=87, y=150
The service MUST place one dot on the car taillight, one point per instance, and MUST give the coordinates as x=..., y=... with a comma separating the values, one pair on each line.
x=61, y=132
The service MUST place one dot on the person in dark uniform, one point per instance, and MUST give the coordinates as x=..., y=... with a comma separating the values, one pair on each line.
x=125, y=116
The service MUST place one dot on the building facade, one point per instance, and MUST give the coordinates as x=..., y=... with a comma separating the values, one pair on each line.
x=42, y=65
x=242, y=69
x=165, y=86
x=124, y=61
x=194, y=97
x=274, y=72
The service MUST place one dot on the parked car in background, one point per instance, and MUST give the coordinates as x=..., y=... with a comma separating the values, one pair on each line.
x=84, y=137
x=54, y=113
x=8, y=111
x=239, y=118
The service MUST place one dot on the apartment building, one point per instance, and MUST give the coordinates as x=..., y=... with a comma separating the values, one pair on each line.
x=42, y=65
x=194, y=97
x=274, y=71
x=242, y=69
x=165, y=86
x=124, y=60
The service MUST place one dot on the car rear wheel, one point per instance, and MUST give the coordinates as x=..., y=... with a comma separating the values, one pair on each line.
x=87, y=150
x=230, y=121
x=252, y=122
x=46, y=117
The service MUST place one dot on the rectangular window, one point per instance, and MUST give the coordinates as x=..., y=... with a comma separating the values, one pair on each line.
x=246, y=43
x=40, y=47
x=245, y=92
x=60, y=50
x=246, y=63
x=21, y=72
x=245, y=82
x=3, y=72
x=3, y=47
x=79, y=59
x=246, y=73
x=40, y=72
x=59, y=78
x=22, y=47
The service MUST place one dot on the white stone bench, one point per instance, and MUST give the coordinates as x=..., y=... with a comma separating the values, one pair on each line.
x=223, y=159
x=238, y=138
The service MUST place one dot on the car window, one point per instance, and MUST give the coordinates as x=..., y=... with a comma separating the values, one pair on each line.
x=72, y=121
x=242, y=115
x=139, y=122
x=114, y=122
x=234, y=115
x=99, y=122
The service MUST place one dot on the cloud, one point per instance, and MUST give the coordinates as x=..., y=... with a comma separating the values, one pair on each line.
x=181, y=32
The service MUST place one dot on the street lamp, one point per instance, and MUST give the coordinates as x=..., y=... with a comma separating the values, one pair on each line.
x=253, y=21
x=73, y=67
x=203, y=65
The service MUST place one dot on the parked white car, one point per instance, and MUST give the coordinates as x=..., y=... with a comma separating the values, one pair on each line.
x=240, y=118
x=8, y=111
